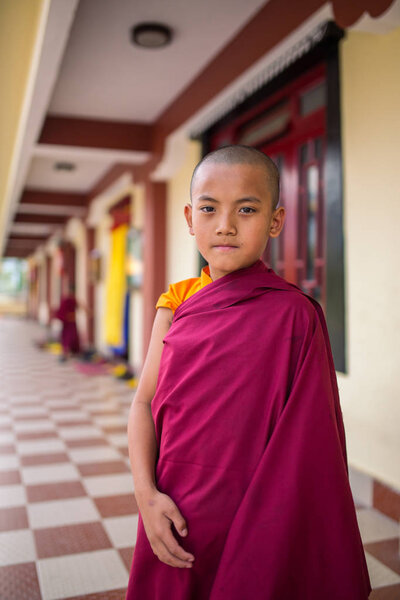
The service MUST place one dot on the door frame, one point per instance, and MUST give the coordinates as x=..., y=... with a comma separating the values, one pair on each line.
x=326, y=51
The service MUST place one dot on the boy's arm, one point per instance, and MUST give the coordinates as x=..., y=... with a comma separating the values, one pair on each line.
x=158, y=510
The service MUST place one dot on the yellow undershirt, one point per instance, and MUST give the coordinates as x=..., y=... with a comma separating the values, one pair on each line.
x=182, y=290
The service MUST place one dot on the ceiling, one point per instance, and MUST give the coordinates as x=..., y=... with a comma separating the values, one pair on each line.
x=103, y=75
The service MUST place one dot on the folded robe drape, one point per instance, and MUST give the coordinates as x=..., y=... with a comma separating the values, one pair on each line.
x=252, y=450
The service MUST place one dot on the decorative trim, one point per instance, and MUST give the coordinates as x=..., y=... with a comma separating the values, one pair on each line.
x=347, y=13
x=288, y=58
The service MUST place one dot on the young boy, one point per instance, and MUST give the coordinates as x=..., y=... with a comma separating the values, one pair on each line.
x=236, y=437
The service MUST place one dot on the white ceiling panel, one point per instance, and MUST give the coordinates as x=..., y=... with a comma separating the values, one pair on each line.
x=32, y=229
x=104, y=76
x=49, y=209
x=43, y=176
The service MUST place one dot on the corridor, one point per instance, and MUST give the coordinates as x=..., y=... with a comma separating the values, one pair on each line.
x=67, y=511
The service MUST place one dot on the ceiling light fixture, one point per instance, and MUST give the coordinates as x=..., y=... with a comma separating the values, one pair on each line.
x=151, y=35
x=64, y=166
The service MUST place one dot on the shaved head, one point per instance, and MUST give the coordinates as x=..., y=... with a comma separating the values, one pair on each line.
x=244, y=155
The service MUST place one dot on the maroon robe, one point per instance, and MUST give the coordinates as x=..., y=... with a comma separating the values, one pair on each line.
x=252, y=450
x=69, y=333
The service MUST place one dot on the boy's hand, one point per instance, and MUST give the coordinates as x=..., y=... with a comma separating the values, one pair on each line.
x=159, y=512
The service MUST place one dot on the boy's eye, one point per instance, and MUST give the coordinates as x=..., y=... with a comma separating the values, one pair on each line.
x=207, y=209
x=247, y=210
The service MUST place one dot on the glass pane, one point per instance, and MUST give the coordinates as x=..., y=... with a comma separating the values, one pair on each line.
x=266, y=128
x=312, y=100
x=312, y=208
x=278, y=160
x=273, y=253
x=303, y=154
x=318, y=148
x=317, y=293
x=275, y=245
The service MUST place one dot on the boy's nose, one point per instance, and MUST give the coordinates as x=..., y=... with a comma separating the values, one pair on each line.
x=226, y=226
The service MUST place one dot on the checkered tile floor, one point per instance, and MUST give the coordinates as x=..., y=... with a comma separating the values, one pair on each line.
x=68, y=515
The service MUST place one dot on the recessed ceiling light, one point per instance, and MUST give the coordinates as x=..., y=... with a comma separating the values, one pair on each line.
x=151, y=35
x=64, y=166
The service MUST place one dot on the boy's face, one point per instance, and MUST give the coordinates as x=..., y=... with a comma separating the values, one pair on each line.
x=231, y=215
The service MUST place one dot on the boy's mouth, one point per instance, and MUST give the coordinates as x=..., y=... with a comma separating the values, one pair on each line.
x=225, y=247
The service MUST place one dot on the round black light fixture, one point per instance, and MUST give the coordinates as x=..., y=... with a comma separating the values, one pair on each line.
x=64, y=166
x=151, y=35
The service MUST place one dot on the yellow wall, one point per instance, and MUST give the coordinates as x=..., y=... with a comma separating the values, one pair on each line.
x=182, y=255
x=19, y=26
x=370, y=84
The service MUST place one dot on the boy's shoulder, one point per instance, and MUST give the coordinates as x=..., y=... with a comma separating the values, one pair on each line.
x=178, y=292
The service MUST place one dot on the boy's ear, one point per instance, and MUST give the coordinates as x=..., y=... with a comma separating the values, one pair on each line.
x=277, y=221
x=188, y=217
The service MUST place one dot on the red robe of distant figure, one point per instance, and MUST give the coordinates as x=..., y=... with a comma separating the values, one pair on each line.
x=69, y=333
x=252, y=450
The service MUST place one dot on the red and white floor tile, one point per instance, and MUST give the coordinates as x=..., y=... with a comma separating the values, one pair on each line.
x=68, y=514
